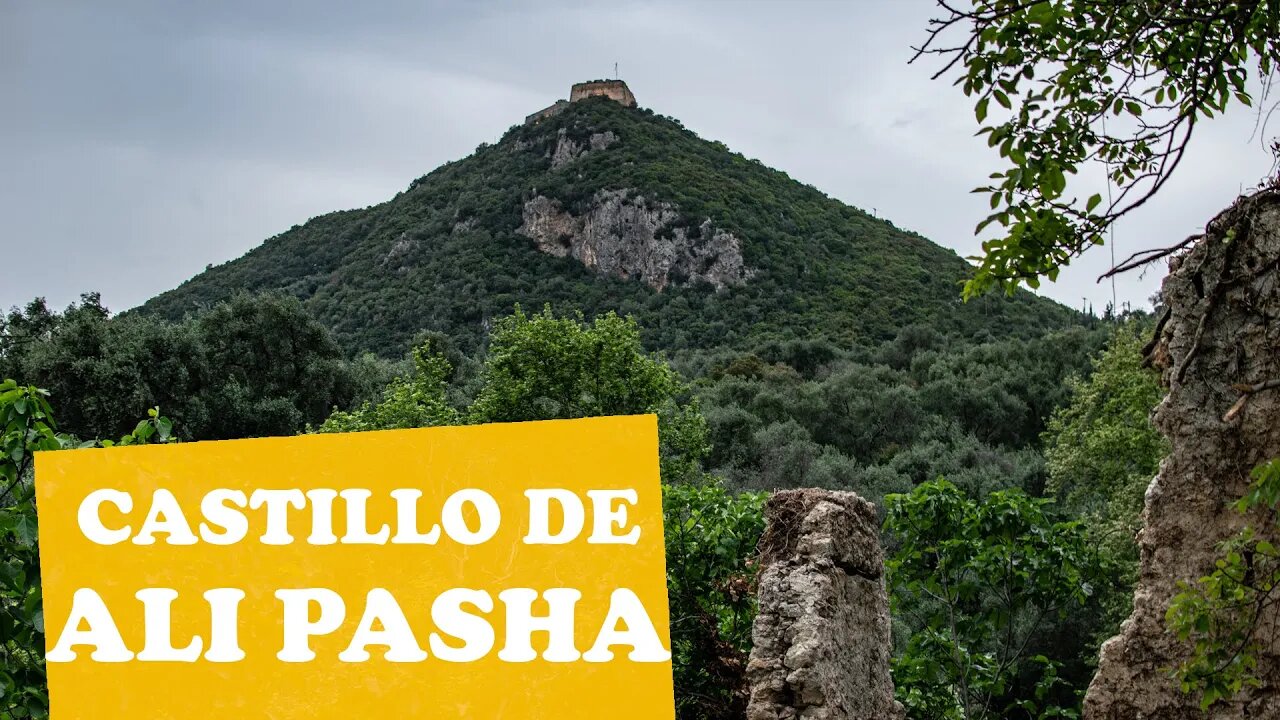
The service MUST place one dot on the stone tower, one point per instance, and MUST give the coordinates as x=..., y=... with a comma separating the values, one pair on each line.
x=615, y=90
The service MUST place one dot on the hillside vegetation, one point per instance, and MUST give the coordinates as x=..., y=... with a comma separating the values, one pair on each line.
x=878, y=421
x=444, y=254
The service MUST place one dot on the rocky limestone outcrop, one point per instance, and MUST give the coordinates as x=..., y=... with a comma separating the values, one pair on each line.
x=567, y=149
x=1220, y=337
x=821, y=642
x=624, y=235
x=397, y=256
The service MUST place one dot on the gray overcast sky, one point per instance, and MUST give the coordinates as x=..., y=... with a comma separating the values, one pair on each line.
x=140, y=141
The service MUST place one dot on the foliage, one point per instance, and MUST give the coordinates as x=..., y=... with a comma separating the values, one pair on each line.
x=684, y=442
x=979, y=581
x=417, y=401
x=252, y=366
x=28, y=427
x=444, y=254
x=784, y=412
x=272, y=368
x=711, y=535
x=1220, y=614
x=1101, y=452
x=544, y=367
x=541, y=367
x=972, y=412
x=1101, y=449
x=1058, y=71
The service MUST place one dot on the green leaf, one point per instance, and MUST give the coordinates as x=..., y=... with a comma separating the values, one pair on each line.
x=25, y=529
x=164, y=426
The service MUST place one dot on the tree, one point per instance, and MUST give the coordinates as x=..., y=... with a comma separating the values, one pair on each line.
x=1058, y=71
x=1101, y=449
x=270, y=368
x=979, y=582
x=105, y=371
x=253, y=366
x=542, y=366
x=710, y=534
x=1101, y=453
x=26, y=427
x=417, y=401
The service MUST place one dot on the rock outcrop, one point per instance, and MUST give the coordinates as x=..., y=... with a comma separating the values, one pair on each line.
x=626, y=236
x=567, y=149
x=821, y=639
x=1220, y=337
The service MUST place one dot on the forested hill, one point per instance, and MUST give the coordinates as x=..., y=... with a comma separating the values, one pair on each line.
x=602, y=208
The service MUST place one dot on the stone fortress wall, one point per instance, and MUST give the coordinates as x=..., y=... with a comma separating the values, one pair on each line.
x=546, y=112
x=615, y=90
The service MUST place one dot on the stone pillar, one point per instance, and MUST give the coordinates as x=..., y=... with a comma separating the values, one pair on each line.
x=1217, y=348
x=821, y=639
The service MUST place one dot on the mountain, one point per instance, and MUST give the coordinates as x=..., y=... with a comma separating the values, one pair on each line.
x=595, y=205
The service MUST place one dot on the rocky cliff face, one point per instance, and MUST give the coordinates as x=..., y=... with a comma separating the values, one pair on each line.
x=624, y=235
x=567, y=149
x=1220, y=337
x=821, y=639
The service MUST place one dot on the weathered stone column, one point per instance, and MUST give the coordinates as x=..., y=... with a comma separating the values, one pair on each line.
x=821, y=639
x=1217, y=348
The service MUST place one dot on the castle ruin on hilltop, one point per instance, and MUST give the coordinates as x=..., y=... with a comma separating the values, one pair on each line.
x=615, y=90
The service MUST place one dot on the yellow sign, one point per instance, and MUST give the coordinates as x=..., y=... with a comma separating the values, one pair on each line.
x=497, y=571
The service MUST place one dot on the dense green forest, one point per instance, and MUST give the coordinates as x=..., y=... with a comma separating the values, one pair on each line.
x=444, y=254
x=923, y=423
x=1004, y=437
